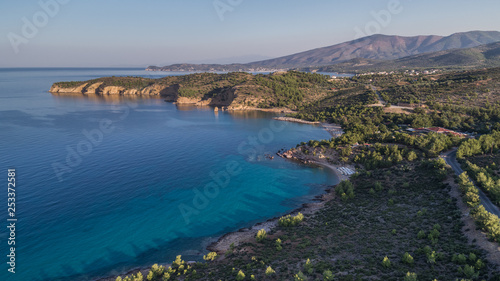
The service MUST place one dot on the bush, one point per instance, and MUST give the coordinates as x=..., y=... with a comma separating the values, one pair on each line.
x=410, y=277
x=290, y=220
x=240, y=275
x=407, y=258
x=433, y=235
x=386, y=262
x=300, y=277
x=459, y=259
x=328, y=275
x=479, y=264
x=431, y=257
x=210, y=256
x=278, y=245
x=472, y=257
x=270, y=271
x=308, y=266
x=261, y=235
x=390, y=202
x=469, y=271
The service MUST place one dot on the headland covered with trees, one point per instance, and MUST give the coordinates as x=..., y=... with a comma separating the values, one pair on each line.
x=403, y=215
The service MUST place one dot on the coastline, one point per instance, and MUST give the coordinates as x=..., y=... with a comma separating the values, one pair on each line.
x=247, y=234
x=296, y=120
x=223, y=243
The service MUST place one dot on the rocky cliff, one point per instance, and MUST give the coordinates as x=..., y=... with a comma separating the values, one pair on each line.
x=233, y=91
x=168, y=92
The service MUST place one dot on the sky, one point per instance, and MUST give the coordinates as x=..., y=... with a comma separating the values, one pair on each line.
x=126, y=33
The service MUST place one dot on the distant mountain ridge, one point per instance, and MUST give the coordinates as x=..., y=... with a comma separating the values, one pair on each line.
x=477, y=57
x=374, y=47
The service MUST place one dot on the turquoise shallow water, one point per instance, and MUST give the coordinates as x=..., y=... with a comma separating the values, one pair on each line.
x=150, y=180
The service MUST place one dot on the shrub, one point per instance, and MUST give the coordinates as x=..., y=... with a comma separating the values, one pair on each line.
x=407, y=258
x=270, y=271
x=240, y=275
x=290, y=220
x=433, y=235
x=210, y=256
x=278, y=245
x=300, y=277
x=328, y=275
x=469, y=271
x=479, y=264
x=308, y=266
x=472, y=257
x=410, y=276
x=459, y=259
x=261, y=235
x=427, y=250
x=386, y=262
x=431, y=257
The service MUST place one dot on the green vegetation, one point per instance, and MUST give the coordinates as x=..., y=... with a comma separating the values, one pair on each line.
x=290, y=220
x=261, y=235
x=386, y=262
x=394, y=218
x=489, y=143
x=210, y=256
x=484, y=219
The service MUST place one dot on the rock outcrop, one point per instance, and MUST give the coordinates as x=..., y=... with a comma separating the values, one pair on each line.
x=170, y=93
x=71, y=90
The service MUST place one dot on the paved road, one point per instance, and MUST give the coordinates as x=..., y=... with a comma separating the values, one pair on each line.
x=380, y=99
x=382, y=102
x=450, y=158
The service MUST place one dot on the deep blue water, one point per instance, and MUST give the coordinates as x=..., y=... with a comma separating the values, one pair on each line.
x=117, y=202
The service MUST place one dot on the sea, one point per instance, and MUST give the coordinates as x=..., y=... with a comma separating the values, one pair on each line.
x=106, y=185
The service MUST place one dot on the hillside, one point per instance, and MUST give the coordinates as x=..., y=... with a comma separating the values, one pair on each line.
x=374, y=47
x=475, y=57
x=464, y=100
x=236, y=90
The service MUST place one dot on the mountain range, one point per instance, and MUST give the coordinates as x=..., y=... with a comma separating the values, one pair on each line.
x=373, y=49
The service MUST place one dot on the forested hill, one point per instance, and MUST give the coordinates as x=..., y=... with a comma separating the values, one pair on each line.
x=375, y=47
x=465, y=100
x=470, y=58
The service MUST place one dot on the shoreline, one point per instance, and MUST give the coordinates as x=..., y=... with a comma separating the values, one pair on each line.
x=296, y=120
x=245, y=234
x=223, y=243
x=242, y=235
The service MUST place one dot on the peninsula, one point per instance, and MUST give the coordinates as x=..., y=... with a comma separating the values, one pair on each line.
x=400, y=211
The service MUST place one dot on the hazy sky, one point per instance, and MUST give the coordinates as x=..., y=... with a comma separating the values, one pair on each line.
x=86, y=33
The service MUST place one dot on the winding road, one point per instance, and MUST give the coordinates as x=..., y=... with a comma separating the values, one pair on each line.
x=451, y=159
x=382, y=102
